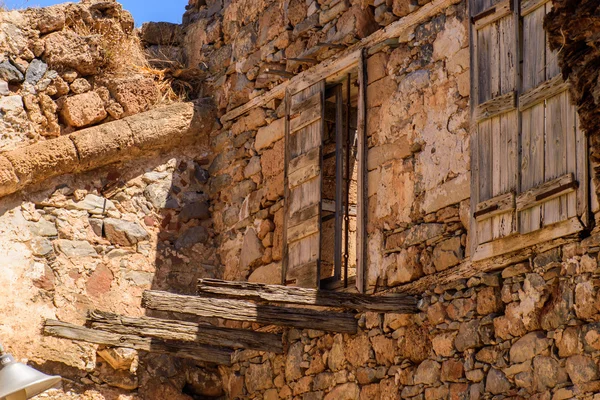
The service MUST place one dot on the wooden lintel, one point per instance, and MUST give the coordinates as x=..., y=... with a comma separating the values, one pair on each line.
x=312, y=297
x=194, y=351
x=185, y=331
x=547, y=191
x=240, y=310
x=543, y=91
x=401, y=29
x=496, y=106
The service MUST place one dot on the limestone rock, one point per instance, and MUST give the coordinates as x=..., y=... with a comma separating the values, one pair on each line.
x=190, y=237
x=74, y=248
x=204, y=382
x=528, y=347
x=259, y=377
x=448, y=254
x=83, y=110
x=496, y=382
x=252, y=250
x=293, y=370
x=50, y=19
x=428, y=372
x=346, y=391
x=195, y=210
x=269, y=274
x=10, y=73
x=468, y=336
x=119, y=358
x=135, y=95
x=124, y=233
x=581, y=369
x=69, y=50
x=35, y=71
x=161, y=33
x=95, y=205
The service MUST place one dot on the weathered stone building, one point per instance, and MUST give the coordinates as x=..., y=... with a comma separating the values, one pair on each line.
x=428, y=148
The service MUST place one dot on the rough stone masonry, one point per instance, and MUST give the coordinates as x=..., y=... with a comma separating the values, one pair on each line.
x=111, y=185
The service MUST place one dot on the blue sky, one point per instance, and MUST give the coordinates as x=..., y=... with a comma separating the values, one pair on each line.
x=142, y=10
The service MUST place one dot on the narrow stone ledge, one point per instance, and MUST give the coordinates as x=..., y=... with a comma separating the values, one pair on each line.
x=132, y=137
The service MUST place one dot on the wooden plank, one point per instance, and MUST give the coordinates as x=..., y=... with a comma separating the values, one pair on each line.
x=508, y=54
x=303, y=229
x=492, y=14
x=552, y=68
x=186, y=332
x=303, y=215
x=304, y=167
x=311, y=297
x=241, y=310
x=484, y=227
x=570, y=136
x=547, y=191
x=484, y=63
x=555, y=159
x=534, y=49
x=303, y=275
x=401, y=29
x=305, y=118
x=496, y=106
x=303, y=252
x=194, y=351
x=532, y=169
x=583, y=209
x=299, y=106
x=304, y=195
x=498, y=205
x=518, y=242
x=542, y=92
x=528, y=6
x=286, y=187
x=363, y=198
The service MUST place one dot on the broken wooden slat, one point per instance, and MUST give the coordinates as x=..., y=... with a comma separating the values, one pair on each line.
x=304, y=167
x=190, y=350
x=495, y=106
x=542, y=92
x=492, y=14
x=186, y=331
x=295, y=295
x=497, y=205
x=240, y=310
x=306, y=104
x=547, y=191
x=306, y=118
x=303, y=229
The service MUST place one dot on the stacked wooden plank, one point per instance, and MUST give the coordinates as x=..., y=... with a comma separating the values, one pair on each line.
x=237, y=301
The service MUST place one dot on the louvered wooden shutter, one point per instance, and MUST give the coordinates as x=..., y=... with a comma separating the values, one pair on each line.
x=529, y=157
x=303, y=143
x=553, y=148
x=495, y=120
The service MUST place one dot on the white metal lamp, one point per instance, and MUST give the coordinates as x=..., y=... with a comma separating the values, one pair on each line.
x=19, y=381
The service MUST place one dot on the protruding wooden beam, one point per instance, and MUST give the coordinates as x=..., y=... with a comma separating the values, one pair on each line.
x=240, y=310
x=195, y=351
x=296, y=295
x=186, y=331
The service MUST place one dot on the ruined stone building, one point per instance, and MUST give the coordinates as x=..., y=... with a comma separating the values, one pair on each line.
x=303, y=199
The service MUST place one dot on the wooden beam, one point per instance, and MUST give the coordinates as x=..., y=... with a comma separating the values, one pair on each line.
x=401, y=29
x=186, y=331
x=492, y=14
x=312, y=297
x=190, y=350
x=518, y=242
x=240, y=310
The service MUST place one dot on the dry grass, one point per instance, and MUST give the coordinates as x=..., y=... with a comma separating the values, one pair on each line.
x=125, y=56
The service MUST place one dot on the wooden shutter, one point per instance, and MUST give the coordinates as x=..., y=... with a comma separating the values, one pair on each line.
x=494, y=119
x=303, y=181
x=553, y=148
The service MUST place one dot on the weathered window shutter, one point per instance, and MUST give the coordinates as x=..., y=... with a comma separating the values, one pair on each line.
x=495, y=120
x=553, y=148
x=303, y=181
x=529, y=157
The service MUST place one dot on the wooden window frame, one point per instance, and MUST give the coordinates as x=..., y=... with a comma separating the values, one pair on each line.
x=515, y=201
x=354, y=61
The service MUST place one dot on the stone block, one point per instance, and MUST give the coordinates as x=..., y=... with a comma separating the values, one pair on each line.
x=345, y=391
x=272, y=160
x=448, y=254
x=267, y=135
x=83, y=110
x=161, y=33
x=135, y=95
x=68, y=50
x=428, y=372
x=124, y=233
x=449, y=193
x=380, y=91
x=74, y=248
x=269, y=274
